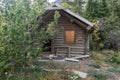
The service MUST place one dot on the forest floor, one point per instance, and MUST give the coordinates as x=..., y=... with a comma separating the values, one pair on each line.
x=98, y=67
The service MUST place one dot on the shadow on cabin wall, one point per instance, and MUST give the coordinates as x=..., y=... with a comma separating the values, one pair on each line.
x=47, y=45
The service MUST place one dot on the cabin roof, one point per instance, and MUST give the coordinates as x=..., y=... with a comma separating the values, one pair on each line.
x=59, y=7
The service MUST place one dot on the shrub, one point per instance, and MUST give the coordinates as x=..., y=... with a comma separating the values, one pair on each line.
x=107, y=51
x=113, y=69
x=94, y=64
x=98, y=75
x=114, y=60
x=98, y=57
x=19, y=34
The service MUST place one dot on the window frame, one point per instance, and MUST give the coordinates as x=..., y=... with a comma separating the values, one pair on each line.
x=65, y=41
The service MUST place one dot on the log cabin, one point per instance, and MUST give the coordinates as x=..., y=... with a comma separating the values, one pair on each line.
x=73, y=39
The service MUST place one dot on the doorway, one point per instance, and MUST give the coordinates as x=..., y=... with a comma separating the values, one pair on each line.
x=47, y=46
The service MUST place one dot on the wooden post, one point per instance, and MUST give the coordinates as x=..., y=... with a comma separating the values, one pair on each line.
x=69, y=51
x=56, y=51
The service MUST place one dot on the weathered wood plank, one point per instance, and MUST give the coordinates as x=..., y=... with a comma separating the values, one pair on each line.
x=77, y=52
x=81, y=56
x=71, y=59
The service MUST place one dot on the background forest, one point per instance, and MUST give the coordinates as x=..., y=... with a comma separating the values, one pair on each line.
x=20, y=18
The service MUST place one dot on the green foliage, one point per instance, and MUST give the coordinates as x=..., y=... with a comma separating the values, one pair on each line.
x=19, y=35
x=95, y=37
x=16, y=45
x=1, y=21
x=93, y=64
x=74, y=77
x=66, y=5
x=108, y=26
x=96, y=9
x=38, y=72
x=114, y=69
x=75, y=5
x=98, y=57
x=98, y=75
x=114, y=60
x=104, y=11
x=51, y=29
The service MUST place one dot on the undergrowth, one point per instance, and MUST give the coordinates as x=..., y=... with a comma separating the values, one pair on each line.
x=94, y=64
x=98, y=74
x=114, y=69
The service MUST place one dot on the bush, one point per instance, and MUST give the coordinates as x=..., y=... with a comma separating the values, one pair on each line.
x=114, y=60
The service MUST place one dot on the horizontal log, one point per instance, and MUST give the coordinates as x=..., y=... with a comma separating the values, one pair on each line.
x=77, y=45
x=59, y=36
x=61, y=51
x=77, y=50
x=76, y=53
x=80, y=37
x=58, y=39
x=79, y=40
x=62, y=54
x=64, y=50
x=81, y=56
x=58, y=42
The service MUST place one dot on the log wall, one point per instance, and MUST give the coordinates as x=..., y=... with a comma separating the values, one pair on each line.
x=59, y=47
x=62, y=48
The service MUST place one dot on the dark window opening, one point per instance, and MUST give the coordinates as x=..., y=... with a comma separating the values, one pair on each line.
x=47, y=46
